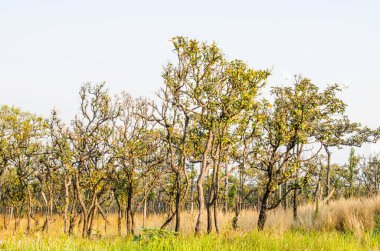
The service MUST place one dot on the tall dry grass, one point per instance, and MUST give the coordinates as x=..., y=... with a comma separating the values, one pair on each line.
x=356, y=216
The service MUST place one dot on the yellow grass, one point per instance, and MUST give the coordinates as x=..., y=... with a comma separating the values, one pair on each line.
x=353, y=215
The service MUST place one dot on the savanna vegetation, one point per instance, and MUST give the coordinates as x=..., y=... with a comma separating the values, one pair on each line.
x=210, y=162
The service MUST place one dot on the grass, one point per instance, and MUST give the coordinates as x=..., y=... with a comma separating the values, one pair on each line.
x=342, y=225
x=266, y=240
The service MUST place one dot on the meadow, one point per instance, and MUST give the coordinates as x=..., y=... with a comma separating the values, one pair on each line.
x=342, y=225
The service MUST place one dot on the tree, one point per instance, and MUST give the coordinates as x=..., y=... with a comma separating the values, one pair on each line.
x=290, y=124
x=138, y=154
x=89, y=139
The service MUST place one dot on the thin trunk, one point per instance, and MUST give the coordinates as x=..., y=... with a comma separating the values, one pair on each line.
x=192, y=190
x=327, y=189
x=201, y=203
x=66, y=208
x=73, y=213
x=178, y=203
x=46, y=223
x=216, y=217
x=119, y=214
x=16, y=219
x=29, y=213
x=83, y=206
x=128, y=211
x=144, y=213
x=5, y=219
x=236, y=218
x=133, y=223
x=295, y=205
x=92, y=215
x=284, y=198
x=216, y=195
x=225, y=207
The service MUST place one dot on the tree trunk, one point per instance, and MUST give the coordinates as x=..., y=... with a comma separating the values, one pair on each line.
x=192, y=190
x=201, y=199
x=92, y=214
x=295, y=205
x=132, y=223
x=66, y=208
x=201, y=203
x=284, y=198
x=29, y=214
x=178, y=203
x=209, y=219
x=263, y=210
x=144, y=213
x=119, y=213
x=216, y=197
x=225, y=207
x=16, y=214
x=84, y=209
x=45, y=226
x=5, y=219
x=128, y=211
x=216, y=216
x=327, y=189
x=73, y=213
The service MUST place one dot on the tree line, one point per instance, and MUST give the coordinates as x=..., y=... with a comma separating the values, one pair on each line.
x=209, y=142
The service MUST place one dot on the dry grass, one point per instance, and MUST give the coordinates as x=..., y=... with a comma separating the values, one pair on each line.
x=355, y=216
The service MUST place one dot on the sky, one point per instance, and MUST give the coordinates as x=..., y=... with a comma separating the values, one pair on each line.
x=48, y=49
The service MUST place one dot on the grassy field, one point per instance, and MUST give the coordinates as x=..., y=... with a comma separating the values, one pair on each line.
x=341, y=225
x=266, y=240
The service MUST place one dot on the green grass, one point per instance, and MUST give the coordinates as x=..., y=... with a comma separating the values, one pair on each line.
x=225, y=241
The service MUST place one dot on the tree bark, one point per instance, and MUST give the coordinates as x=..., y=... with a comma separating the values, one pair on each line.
x=263, y=210
x=66, y=208
x=201, y=200
x=295, y=205
x=225, y=207
x=178, y=203
x=29, y=213
x=328, y=170
x=192, y=190
x=128, y=211
x=119, y=213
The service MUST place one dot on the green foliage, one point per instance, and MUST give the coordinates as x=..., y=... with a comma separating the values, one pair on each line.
x=155, y=234
x=123, y=153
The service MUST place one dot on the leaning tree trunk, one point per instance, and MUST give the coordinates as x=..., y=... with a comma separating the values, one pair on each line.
x=66, y=207
x=85, y=213
x=45, y=226
x=263, y=210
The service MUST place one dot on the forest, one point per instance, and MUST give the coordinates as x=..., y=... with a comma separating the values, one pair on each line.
x=215, y=149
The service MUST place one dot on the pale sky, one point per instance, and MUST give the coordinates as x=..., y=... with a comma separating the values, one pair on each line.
x=48, y=49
